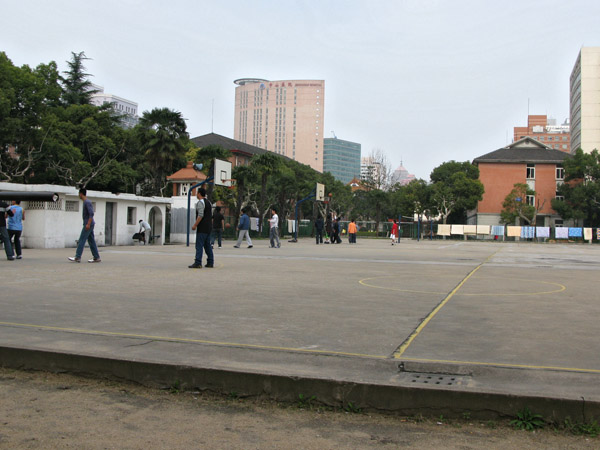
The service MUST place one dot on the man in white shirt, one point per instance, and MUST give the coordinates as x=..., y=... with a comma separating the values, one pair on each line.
x=145, y=230
x=274, y=231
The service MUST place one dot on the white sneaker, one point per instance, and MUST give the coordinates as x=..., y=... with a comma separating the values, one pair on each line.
x=94, y=260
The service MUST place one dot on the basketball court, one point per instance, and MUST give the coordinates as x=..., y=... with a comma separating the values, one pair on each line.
x=487, y=317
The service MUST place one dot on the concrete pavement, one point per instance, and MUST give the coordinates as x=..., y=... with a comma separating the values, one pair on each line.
x=440, y=327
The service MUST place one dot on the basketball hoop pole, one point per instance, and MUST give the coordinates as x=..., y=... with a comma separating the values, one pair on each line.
x=208, y=180
x=296, y=215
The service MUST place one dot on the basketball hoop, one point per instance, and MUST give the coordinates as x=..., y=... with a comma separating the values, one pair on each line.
x=229, y=183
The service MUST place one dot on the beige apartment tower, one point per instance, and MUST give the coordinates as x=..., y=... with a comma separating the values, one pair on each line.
x=585, y=101
x=284, y=117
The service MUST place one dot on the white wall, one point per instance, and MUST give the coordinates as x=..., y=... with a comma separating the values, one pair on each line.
x=54, y=227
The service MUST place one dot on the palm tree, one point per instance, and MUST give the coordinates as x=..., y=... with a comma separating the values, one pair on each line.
x=162, y=133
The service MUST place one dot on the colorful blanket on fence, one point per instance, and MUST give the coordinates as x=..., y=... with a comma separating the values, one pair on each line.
x=561, y=233
x=483, y=229
x=457, y=229
x=527, y=232
x=443, y=230
x=513, y=231
x=542, y=232
x=498, y=230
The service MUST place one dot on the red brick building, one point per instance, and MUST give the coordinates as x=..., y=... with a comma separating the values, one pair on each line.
x=557, y=137
x=525, y=161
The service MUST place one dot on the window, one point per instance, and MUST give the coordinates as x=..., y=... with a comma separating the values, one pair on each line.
x=558, y=196
x=560, y=173
x=531, y=171
x=530, y=200
x=72, y=205
x=131, y=215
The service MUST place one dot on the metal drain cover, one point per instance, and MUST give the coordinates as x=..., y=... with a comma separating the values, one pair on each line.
x=435, y=379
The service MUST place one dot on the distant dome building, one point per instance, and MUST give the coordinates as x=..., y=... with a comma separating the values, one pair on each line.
x=401, y=176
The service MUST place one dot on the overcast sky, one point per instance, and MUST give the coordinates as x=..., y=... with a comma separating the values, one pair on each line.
x=426, y=81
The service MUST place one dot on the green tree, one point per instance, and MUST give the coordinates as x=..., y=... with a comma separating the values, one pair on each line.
x=378, y=199
x=265, y=165
x=458, y=194
x=163, y=137
x=517, y=206
x=84, y=147
x=455, y=189
x=245, y=178
x=445, y=171
x=27, y=97
x=415, y=198
x=581, y=189
x=77, y=87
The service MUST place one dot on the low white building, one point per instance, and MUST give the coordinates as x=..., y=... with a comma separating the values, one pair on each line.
x=117, y=216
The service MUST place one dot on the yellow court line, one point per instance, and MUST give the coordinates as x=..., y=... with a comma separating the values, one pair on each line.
x=561, y=288
x=503, y=365
x=398, y=353
x=297, y=350
x=195, y=341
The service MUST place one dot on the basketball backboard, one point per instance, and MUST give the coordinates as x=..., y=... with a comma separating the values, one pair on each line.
x=320, y=192
x=222, y=173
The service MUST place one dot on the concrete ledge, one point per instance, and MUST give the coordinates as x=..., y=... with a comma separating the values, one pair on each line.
x=392, y=398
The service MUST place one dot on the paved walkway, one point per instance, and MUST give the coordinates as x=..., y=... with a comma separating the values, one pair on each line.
x=446, y=326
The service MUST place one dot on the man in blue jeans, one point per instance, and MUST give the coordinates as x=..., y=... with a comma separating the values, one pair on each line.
x=87, y=233
x=203, y=227
x=244, y=229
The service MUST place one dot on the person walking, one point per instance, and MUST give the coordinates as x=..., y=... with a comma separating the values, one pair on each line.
x=336, y=232
x=274, y=229
x=4, y=237
x=203, y=226
x=394, y=232
x=145, y=230
x=15, y=226
x=319, y=230
x=87, y=233
x=352, y=229
x=217, y=227
x=328, y=229
x=244, y=229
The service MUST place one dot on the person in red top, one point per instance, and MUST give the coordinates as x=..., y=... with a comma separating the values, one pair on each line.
x=394, y=233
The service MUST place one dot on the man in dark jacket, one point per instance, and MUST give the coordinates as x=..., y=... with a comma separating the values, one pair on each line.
x=203, y=227
x=4, y=210
x=336, y=239
x=319, y=230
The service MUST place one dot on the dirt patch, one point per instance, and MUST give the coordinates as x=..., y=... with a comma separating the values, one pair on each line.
x=45, y=410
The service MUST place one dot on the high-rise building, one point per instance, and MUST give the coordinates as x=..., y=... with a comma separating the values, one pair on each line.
x=545, y=130
x=341, y=158
x=585, y=101
x=126, y=109
x=369, y=169
x=285, y=117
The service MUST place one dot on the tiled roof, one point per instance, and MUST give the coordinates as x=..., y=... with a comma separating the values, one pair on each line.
x=188, y=173
x=525, y=150
x=227, y=143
